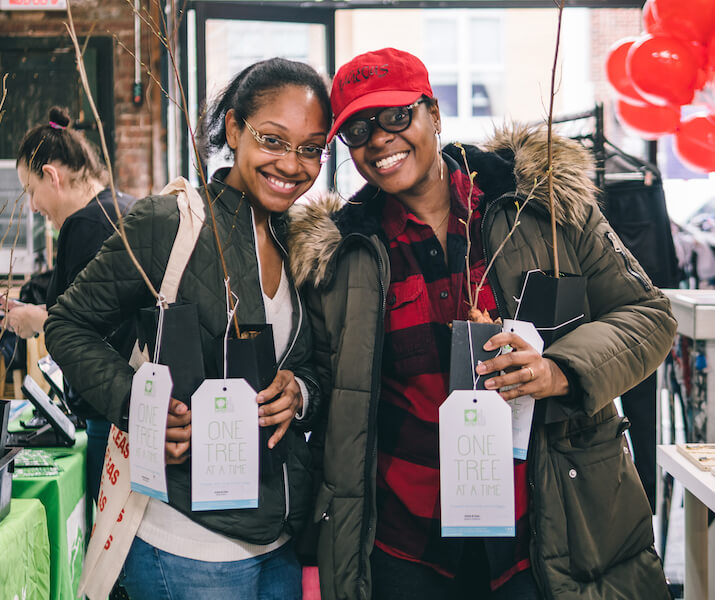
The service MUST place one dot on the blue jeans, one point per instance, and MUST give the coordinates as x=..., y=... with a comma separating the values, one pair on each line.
x=152, y=574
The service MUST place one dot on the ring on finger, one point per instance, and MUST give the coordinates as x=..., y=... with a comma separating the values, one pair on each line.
x=532, y=375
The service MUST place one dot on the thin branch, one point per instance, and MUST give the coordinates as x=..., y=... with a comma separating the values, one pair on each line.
x=12, y=249
x=519, y=209
x=467, y=226
x=4, y=95
x=550, y=146
x=473, y=298
x=14, y=243
x=146, y=70
x=195, y=148
x=12, y=217
x=85, y=84
x=89, y=36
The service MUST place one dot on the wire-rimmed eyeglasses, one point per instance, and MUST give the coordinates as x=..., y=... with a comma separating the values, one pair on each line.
x=309, y=153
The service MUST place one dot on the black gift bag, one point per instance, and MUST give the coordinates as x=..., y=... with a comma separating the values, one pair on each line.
x=462, y=361
x=251, y=357
x=555, y=305
x=180, y=346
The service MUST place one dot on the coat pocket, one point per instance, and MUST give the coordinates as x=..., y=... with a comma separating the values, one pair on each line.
x=323, y=516
x=407, y=328
x=608, y=517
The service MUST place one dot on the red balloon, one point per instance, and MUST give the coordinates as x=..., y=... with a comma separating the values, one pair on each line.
x=700, y=53
x=616, y=71
x=649, y=122
x=692, y=20
x=711, y=53
x=695, y=143
x=663, y=70
x=649, y=23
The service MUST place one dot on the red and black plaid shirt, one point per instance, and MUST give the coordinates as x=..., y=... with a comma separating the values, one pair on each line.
x=427, y=293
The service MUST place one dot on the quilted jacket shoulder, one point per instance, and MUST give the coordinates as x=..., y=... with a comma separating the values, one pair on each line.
x=111, y=290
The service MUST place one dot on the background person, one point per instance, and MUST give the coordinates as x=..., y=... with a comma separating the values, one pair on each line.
x=67, y=184
x=274, y=117
x=386, y=278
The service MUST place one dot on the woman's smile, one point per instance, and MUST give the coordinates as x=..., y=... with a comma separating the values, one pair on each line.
x=278, y=184
x=390, y=163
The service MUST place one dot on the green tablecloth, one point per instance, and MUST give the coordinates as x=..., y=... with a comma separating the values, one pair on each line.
x=24, y=552
x=63, y=497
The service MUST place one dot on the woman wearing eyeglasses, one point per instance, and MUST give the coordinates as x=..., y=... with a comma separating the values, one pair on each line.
x=273, y=118
x=386, y=274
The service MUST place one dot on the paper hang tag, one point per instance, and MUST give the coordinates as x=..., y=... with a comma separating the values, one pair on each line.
x=522, y=408
x=224, y=445
x=476, y=468
x=148, y=410
x=526, y=331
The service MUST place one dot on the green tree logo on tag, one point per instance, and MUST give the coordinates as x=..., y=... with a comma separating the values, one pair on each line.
x=148, y=387
x=220, y=404
x=471, y=417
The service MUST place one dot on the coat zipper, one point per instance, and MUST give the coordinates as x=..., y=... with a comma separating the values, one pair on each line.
x=539, y=572
x=620, y=250
x=537, y=565
x=286, y=483
x=371, y=448
x=287, y=492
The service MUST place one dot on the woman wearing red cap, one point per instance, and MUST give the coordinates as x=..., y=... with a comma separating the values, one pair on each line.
x=387, y=274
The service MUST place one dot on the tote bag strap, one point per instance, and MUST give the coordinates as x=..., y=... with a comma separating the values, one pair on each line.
x=121, y=510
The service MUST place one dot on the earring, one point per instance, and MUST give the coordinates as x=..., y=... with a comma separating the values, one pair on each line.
x=335, y=185
x=439, y=155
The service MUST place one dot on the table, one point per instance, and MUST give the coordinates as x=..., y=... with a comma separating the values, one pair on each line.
x=699, y=496
x=63, y=497
x=695, y=312
x=24, y=551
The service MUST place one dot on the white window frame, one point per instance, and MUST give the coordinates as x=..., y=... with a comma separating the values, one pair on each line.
x=464, y=126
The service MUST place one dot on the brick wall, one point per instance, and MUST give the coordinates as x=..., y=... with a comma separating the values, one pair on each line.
x=138, y=166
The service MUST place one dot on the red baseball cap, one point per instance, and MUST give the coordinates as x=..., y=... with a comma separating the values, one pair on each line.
x=386, y=77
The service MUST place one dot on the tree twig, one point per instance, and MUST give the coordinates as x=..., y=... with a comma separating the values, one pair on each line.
x=4, y=95
x=474, y=298
x=550, y=146
x=85, y=84
x=184, y=108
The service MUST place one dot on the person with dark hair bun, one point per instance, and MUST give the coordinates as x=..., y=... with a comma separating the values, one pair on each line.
x=273, y=118
x=66, y=183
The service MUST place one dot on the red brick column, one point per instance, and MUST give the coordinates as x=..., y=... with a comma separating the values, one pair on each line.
x=139, y=137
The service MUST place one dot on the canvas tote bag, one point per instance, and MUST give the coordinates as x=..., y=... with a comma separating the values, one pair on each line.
x=120, y=510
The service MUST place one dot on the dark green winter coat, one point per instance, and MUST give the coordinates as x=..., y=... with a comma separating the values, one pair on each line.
x=110, y=290
x=591, y=533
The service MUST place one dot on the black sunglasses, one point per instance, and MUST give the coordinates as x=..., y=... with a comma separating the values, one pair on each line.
x=356, y=132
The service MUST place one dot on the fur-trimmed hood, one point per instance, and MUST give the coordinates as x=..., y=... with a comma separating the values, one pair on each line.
x=512, y=163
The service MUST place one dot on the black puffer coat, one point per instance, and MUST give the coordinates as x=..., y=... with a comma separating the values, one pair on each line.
x=111, y=290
